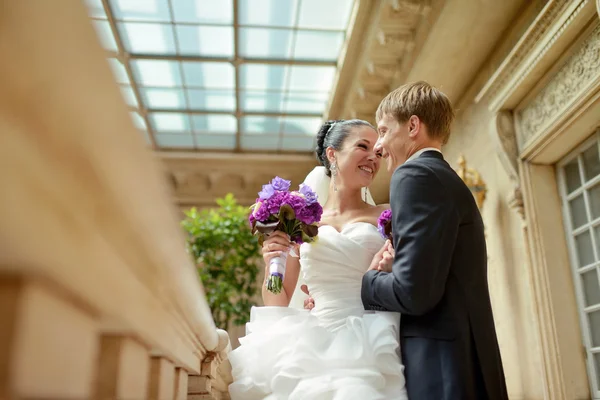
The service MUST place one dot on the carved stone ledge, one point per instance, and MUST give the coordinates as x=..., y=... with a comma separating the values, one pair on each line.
x=579, y=73
x=555, y=24
x=421, y=7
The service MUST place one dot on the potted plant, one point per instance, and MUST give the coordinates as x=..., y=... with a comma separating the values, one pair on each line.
x=226, y=254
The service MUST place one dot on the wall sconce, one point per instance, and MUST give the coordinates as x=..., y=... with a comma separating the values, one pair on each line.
x=473, y=181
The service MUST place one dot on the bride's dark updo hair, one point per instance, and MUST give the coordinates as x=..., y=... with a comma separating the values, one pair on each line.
x=333, y=134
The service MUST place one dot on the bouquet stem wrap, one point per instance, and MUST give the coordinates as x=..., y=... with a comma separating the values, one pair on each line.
x=277, y=273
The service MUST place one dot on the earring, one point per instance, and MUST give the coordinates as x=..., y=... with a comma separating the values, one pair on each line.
x=333, y=170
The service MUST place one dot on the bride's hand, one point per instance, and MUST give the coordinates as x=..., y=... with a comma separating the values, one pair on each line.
x=275, y=245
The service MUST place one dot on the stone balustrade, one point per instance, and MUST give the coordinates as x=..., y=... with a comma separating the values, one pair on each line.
x=98, y=297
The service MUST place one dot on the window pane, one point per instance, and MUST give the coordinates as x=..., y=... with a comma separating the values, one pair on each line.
x=259, y=142
x=203, y=11
x=141, y=10
x=594, y=197
x=262, y=101
x=145, y=38
x=119, y=71
x=268, y=12
x=259, y=124
x=159, y=73
x=330, y=14
x=311, y=78
x=265, y=43
x=578, y=213
x=597, y=368
x=174, y=140
x=597, y=239
x=217, y=75
x=591, y=162
x=572, y=176
x=209, y=41
x=585, y=252
x=591, y=288
x=214, y=123
x=107, y=39
x=315, y=45
x=260, y=76
x=170, y=122
x=301, y=125
x=594, y=322
x=129, y=96
x=296, y=143
x=163, y=98
x=306, y=102
x=221, y=142
x=217, y=100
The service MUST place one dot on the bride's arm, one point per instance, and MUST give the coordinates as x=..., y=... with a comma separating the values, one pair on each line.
x=273, y=247
x=292, y=271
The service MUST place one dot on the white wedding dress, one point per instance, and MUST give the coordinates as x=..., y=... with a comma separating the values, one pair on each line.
x=337, y=351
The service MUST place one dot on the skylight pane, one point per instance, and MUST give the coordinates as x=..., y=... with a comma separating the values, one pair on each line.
x=146, y=38
x=214, y=123
x=159, y=73
x=295, y=126
x=170, y=122
x=298, y=143
x=318, y=45
x=168, y=99
x=214, y=100
x=95, y=9
x=119, y=71
x=141, y=10
x=306, y=102
x=260, y=124
x=265, y=43
x=259, y=142
x=138, y=121
x=215, y=75
x=329, y=14
x=105, y=35
x=262, y=76
x=267, y=12
x=129, y=96
x=211, y=41
x=204, y=11
x=305, y=77
x=219, y=142
x=174, y=140
x=262, y=101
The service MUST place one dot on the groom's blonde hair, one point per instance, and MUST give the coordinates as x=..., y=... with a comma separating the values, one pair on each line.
x=423, y=100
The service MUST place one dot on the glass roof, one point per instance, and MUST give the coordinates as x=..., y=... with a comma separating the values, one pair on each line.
x=233, y=75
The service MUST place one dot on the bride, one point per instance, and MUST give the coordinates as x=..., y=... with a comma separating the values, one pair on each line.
x=337, y=350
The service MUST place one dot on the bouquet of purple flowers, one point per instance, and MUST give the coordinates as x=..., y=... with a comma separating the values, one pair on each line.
x=384, y=224
x=293, y=212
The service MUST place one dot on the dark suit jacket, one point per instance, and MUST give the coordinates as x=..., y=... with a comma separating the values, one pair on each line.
x=439, y=284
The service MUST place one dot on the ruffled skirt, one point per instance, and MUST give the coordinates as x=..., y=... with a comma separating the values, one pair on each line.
x=287, y=355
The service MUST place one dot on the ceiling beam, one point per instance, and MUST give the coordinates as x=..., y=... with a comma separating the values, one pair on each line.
x=238, y=60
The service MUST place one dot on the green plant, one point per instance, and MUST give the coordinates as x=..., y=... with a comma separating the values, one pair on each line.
x=226, y=254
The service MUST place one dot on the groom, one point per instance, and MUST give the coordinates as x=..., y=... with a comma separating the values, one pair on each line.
x=438, y=276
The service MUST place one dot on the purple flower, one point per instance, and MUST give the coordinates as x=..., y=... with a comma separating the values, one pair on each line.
x=384, y=223
x=309, y=195
x=261, y=211
x=266, y=192
x=280, y=184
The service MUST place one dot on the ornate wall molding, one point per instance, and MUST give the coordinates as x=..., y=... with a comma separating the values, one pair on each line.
x=552, y=24
x=504, y=139
x=578, y=74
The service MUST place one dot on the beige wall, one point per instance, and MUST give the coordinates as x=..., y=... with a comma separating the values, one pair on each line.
x=509, y=280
